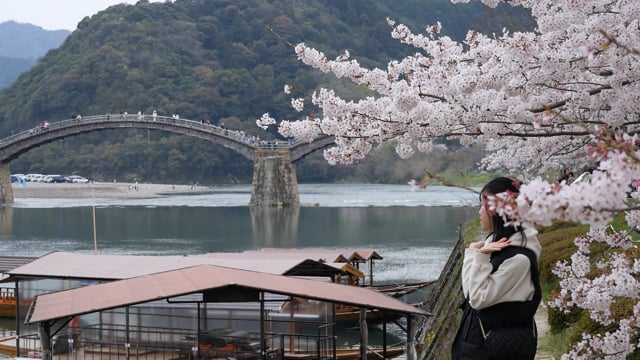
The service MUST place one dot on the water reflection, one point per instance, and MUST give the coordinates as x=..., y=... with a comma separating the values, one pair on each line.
x=275, y=227
x=6, y=220
x=196, y=230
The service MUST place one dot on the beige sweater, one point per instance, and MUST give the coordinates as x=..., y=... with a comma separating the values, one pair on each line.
x=510, y=282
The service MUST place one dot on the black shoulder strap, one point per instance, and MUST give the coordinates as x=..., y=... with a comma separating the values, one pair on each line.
x=499, y=257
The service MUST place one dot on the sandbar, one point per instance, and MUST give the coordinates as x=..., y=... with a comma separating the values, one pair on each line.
x=101, y=190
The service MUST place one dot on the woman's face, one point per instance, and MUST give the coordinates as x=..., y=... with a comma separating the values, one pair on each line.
x=485, y=218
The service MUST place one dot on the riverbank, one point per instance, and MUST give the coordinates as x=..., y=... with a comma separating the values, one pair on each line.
x=103, y=190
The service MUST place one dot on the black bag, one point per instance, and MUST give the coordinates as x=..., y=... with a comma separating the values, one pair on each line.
x=511, y=343
x=509, y=338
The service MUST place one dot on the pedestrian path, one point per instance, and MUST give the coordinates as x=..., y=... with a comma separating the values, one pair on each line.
x=543, y=327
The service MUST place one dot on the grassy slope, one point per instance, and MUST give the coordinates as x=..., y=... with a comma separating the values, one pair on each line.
x=557, y=244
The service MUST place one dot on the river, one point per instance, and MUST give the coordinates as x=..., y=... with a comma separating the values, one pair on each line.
x=414, y=231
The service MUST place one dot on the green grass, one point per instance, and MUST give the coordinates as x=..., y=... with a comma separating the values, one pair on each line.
x=558, y=244
x=554, y=344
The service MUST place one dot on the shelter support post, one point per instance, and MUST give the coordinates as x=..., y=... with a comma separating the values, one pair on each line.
x=127, y=341
x=411, y=332
x=263, y=349
x=44, y=331
x=364, y=334
x=384, y=334
x=100, y=322
x=16, y=293
x=333, y=331
x=196, y=347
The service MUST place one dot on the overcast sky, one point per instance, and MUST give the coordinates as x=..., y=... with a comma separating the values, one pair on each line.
x=53, y=14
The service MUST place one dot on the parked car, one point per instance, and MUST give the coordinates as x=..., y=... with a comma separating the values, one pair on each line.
x=58, y=179
x=33, y=177
x=47, y=178
x=78, y=179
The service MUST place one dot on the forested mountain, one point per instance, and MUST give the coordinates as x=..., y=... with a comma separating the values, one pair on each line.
x=224, y=61
x=21, y=45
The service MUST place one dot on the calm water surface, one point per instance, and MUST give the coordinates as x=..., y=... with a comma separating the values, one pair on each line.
x=413, y=231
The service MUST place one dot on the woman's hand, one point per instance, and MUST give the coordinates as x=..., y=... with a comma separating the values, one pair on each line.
x=495, y=246
x=476, y=245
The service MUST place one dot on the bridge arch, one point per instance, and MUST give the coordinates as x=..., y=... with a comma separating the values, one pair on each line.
x=17, y=144
x=299, y=150
x=269, y=188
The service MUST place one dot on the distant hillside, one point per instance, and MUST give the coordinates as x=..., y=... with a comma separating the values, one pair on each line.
x=213, y=60
x=21, y=45
x=11, y=68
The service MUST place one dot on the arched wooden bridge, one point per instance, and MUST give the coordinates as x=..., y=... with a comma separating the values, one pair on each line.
x=274, y=177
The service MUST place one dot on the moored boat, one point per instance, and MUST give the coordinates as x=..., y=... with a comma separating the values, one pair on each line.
x=411, y=293
x=353, y=354
x=7, y=307
x=372, y=354
x=8, y=304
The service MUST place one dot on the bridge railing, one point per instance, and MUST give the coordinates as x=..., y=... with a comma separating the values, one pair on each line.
x=202, y=125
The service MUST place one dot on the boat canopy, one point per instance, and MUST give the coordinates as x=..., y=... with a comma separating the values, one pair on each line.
x=11, y=262
x=338, y=255
x=364, y=256
x=116, y=267
x=213, y=282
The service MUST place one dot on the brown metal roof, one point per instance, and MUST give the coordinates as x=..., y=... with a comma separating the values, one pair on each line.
x=338, y=255
x=208, y=279
x=116, y=267
x=364, y=256
x=11, y=262
x=310, y=267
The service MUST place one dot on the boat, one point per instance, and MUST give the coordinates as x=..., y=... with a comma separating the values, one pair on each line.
x=402, y=289
x=245, y=350
x=8, y=304
x=416, y=186
x=352, y=354
x=410, y=293
x=414, y=293
x=372, y=353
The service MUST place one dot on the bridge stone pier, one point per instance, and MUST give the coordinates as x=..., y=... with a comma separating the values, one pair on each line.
x=275, y=182
x=6, y=192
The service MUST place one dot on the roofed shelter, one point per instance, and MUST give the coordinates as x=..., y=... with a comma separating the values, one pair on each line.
x=65, y=265
x=365, y=256
x=52, y=311
x=89, y=267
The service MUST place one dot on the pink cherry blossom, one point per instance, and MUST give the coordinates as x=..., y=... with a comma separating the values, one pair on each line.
x=567, y=94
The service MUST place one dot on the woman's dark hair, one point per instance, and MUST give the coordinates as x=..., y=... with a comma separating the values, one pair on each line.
x=494, y=187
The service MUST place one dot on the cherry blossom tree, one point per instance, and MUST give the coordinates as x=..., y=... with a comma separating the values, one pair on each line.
x=566, y=94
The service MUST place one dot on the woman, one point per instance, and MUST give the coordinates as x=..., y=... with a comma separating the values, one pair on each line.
x=500, y=283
